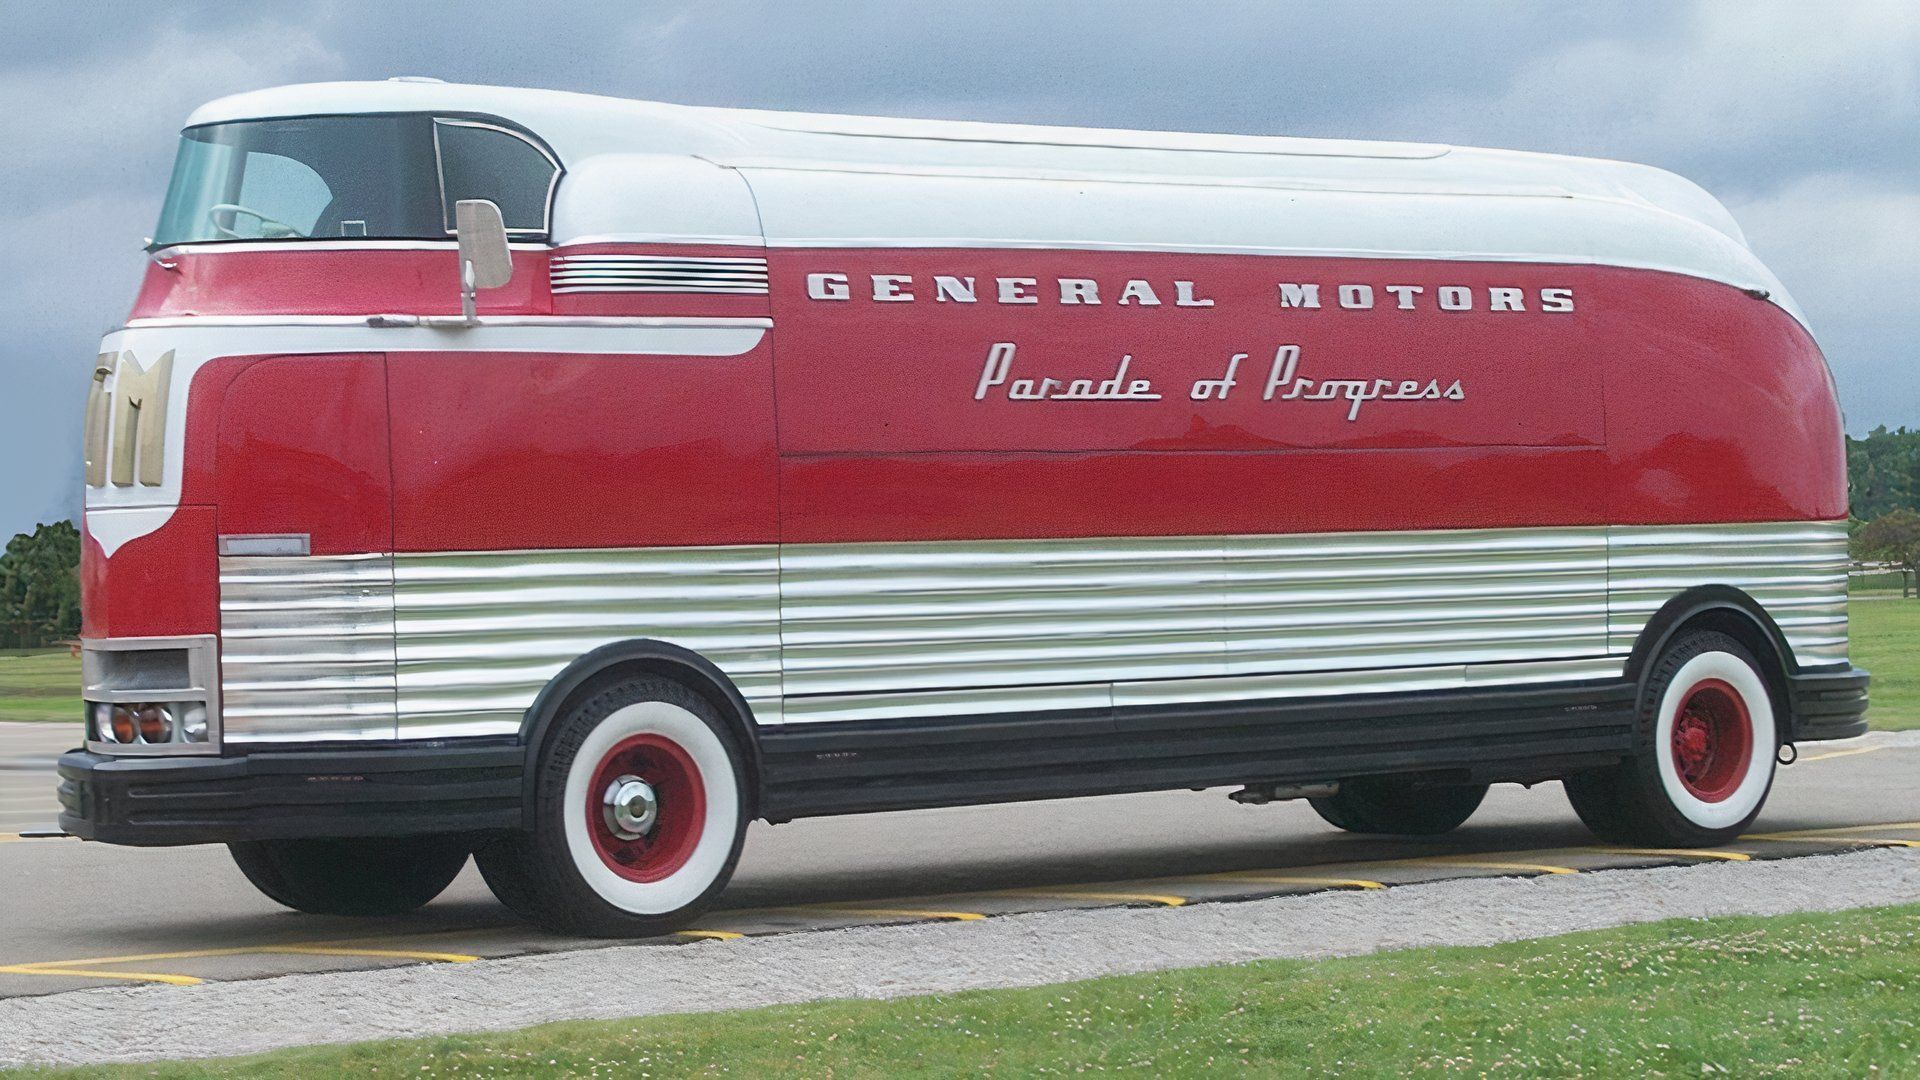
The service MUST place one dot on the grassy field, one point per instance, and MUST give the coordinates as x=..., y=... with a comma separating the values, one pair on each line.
x=1886, y=641
x=42, y=684
x=1814, y=995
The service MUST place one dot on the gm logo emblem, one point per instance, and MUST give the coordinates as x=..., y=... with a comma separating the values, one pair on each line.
x=134, y=409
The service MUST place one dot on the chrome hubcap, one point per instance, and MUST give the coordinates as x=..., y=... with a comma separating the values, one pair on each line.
x=631, y=807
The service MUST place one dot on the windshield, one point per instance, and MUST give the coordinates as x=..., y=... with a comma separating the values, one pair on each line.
x=333, y=177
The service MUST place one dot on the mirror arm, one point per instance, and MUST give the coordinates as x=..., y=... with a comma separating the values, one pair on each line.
x=468, y=294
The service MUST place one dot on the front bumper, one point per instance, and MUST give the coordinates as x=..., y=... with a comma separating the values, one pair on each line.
x=288, y=794
x=1829, y=703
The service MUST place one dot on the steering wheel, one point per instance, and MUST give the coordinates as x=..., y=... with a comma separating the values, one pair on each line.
x=234, y=210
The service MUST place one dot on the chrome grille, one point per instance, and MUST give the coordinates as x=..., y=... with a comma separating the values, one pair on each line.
x=743, y=275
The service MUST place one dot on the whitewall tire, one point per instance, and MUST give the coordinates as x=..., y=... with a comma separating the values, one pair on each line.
x=1705, y=744
x=640, y=810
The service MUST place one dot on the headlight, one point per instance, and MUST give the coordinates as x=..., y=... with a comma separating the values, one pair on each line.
x=148, y=723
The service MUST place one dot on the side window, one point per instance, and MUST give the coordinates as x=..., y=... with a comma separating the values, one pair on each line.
x=481, y=161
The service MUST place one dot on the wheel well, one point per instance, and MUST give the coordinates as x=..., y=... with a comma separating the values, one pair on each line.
x=621, y=660
x=1731, y=612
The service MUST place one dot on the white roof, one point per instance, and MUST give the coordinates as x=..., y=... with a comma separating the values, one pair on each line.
x=1309, y=196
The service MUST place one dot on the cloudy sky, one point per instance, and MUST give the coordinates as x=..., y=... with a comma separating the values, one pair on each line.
x=1803, y=117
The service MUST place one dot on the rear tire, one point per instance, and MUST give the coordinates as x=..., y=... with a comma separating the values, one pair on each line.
x=357, y=876
x=1705, y=741
x=1394, y=805
x=640, y=810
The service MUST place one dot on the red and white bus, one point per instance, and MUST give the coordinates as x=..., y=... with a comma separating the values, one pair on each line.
x=567, y=482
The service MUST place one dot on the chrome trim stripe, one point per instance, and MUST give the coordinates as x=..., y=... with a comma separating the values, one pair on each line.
x=878, y=618
x=1796, y=570
x=479, y=634
x=444, y=645
x=307, y=647
x=659, y=273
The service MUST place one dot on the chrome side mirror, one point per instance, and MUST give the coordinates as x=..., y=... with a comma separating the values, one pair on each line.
x=485, y=260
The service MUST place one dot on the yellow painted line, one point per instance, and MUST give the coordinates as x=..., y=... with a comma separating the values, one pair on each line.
x=1876, y=841
x=1485, y=864
x=400, y=954
x=16, y=838
x=317, y=948
x=715, y=935
x=1090, y=894
x=1829, y=755
x=84, y=973
x=1892, y=826
x=886, y=913
x=1258, y=878
x=1678, y=853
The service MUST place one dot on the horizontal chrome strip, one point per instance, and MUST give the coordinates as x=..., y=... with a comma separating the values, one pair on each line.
x=634, y=259
x=1178, y=691
x=429, y=645
x=659, y=273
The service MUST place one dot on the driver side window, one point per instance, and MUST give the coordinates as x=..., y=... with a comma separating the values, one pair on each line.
x=281, y=197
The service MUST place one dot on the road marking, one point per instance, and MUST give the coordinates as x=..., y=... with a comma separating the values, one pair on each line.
x=1070, y=893
x=715, y=935
x=1483, y=864
x=402, y=954
x=1876, y=841
x=886, y=913
x=83, y=973
x=1829, y=755
x=1681, y=853
x=12, y=838
x=93, y=967
x=1893, y=826
x=1259, y=877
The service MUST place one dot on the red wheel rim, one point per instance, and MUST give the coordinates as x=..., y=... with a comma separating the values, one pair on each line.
x=680, y=801
x=1712, y=740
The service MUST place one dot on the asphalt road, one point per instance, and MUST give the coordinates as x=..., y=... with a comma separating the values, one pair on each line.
x=75, y=915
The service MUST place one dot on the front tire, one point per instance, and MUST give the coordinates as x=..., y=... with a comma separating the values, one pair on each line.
x=1705, y=746
x=357, y=876
x=1393, y=805
x=640, y=811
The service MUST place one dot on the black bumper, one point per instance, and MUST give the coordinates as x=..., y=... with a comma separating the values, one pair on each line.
x=1830, y=703
x=278, y=795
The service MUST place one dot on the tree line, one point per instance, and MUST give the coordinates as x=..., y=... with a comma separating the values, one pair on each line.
x=40, y=587
x=1883, y=473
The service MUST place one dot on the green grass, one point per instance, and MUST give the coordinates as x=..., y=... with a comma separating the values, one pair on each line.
x=1878, y=583
x=1811, y=995
x=40, y=684
x=1886, y=641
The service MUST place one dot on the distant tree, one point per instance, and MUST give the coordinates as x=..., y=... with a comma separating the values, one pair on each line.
x=40, y=586
x=1883, y=472
x=1895, y=537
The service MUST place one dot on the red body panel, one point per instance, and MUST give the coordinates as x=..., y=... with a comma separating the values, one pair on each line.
x=497, y=451
x=163, y=584
x=330, y=281
x=1658, y=399
x=302, y=448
